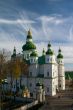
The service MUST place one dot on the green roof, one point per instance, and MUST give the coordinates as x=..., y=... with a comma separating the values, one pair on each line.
x=49, y=52
x=60, y=55
x=34, y=54
x=28, y=46
x=41, y=60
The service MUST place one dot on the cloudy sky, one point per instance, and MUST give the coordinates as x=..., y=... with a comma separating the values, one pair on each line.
x=49, y=20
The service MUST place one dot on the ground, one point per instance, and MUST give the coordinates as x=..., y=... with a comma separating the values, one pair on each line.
x=62, y=101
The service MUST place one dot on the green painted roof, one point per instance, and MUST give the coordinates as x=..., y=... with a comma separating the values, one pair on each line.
x=41, y=60
x=59, y=55
x=34, y=54
x=49, y=52
x=28, y=46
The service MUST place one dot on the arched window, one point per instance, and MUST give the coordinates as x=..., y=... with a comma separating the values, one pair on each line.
x=30, y=73
x=48, y=73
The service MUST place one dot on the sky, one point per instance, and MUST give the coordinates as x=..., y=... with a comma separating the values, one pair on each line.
x=49, y=20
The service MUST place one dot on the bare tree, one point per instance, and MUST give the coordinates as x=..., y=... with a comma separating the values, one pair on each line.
x=3, y=73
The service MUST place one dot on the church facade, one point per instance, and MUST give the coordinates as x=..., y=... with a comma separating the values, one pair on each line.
x=48, y=69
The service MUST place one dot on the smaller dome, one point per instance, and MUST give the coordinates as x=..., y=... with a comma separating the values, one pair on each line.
x=49, y=45
x=34, y=54
x=49, y=52
x=60, y=56
x=59, y=50
x=28, y=46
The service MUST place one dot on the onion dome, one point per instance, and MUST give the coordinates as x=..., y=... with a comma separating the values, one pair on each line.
x=28, y=46
x=49, y=45
x=29, y=35
x=59, y=50
x=59, y=54
x=34, y=54
x=49, y=51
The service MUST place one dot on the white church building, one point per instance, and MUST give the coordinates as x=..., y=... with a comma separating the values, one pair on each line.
x=46, y=70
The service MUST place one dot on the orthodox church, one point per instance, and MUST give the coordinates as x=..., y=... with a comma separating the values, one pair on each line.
x=46, y=70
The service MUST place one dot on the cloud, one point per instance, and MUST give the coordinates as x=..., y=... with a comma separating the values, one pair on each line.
x=51, y=19
x=18, y=21
x=44, y=28
x=71, y=34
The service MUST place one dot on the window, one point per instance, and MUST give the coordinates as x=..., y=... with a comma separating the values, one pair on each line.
x=51, y=59
x=31, y=94
x=53, y=73
x=31, y=60
x=48, y=73
x=48, y=59
x=60, y=85
x=47, y=89
x=30, y=73
x=30, y=84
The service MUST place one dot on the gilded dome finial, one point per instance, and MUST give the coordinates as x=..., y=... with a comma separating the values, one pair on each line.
x=29, y=32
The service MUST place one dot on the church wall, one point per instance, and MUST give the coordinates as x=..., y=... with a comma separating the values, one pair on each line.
x=61, y=77
x=41, y=69
x=33, y=70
